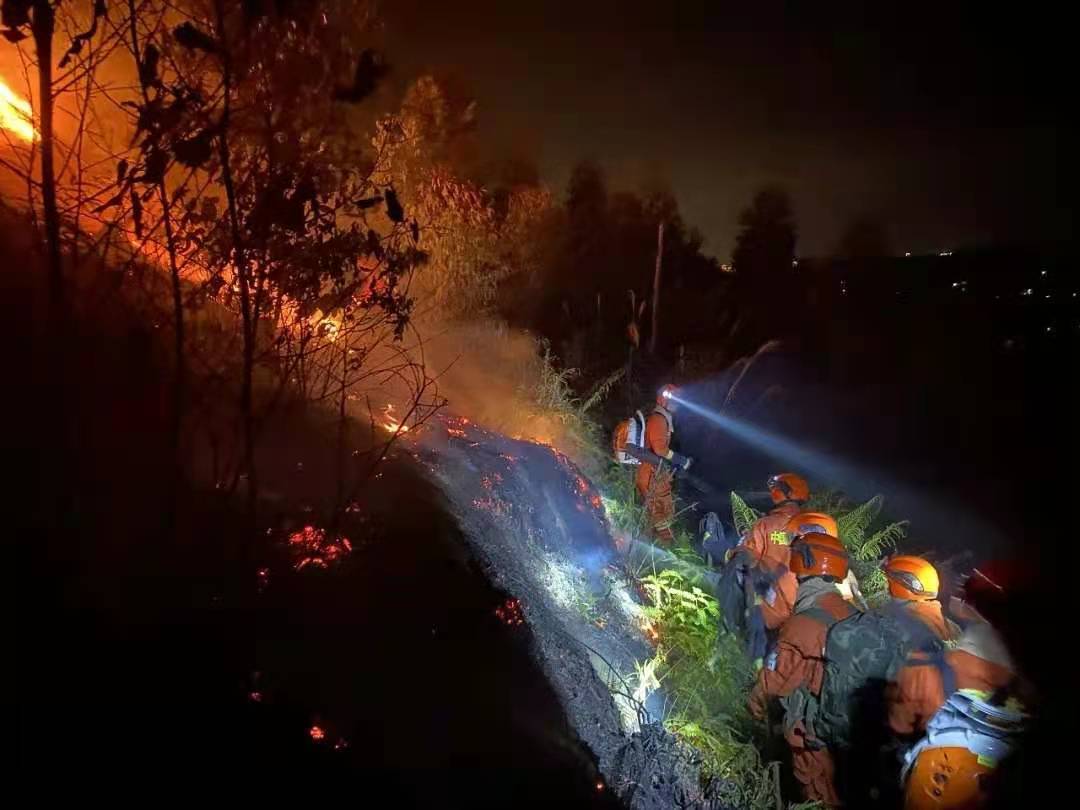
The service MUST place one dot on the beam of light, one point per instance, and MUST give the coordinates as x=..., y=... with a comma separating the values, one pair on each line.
x=797, y=455
x=16, y=114
x=938, y=521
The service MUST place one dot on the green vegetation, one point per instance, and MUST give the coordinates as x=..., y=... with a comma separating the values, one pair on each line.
x=704, y=671
x=706, y=677
x=866, y=545
x=742, y=516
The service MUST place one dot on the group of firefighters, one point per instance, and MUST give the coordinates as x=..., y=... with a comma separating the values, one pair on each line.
x=898, y=697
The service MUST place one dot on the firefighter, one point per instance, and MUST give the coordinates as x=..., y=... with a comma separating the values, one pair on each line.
x=653, y=480
x=819, y=562
x=963, y=707
x=765, y=549
x=913, y=586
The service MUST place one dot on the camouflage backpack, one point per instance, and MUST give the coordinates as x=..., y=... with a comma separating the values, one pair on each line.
x=862, y=654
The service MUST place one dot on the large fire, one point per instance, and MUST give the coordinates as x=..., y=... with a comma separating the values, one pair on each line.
x=16, y=114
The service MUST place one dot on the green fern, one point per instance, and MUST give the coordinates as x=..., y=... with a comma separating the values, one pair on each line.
x=742, y=514
x=853, y=525
x=872, y=583
x=882, y=541
x=706, y=677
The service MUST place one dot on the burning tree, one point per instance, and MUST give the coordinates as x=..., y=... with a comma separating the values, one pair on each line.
x=476, y=238
x=242, y=175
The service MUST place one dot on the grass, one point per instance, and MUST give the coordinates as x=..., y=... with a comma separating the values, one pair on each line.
x=706, y=678
x=549, y=390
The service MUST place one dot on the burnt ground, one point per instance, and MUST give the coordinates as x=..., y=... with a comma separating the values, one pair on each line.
x=536, y=526
x=153, y=662
x=150, y=668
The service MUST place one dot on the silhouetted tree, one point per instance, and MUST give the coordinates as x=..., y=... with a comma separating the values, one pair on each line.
x=765, y=245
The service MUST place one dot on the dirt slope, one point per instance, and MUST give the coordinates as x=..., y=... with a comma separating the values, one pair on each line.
x=536, y=525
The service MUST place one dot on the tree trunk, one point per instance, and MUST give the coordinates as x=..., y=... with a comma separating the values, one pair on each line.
x=342, y=433
x=243, y=275
x=180, y=382
x=43, y=25
x=656, y=288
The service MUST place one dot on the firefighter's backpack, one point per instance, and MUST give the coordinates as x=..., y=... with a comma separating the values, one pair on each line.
x=629, y=433
x=862, y=654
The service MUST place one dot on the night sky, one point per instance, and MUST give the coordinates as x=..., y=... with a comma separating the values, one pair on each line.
x=942, y=125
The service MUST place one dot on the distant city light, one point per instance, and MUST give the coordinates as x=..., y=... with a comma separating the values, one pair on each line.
x=908, y=254
x=1028, y=291
x=945, y=253
x=1043, y=273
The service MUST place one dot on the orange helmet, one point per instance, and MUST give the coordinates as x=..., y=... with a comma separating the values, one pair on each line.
x=946, y=777
x=816, y=554
x=664, y=395
x=788, y=487
x=911, y=578
x=807, y=522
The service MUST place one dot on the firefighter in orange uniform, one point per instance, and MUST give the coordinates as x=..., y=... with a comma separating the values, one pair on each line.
x=766, y=546
x=913, y=586
x=965, y=703
x=820, y=562
x=654, y=485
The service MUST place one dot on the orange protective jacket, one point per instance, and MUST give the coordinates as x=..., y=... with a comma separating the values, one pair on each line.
x=769, y=548
x=919, y=690
x=799, y=656
x=799, y=662
x=658, y=497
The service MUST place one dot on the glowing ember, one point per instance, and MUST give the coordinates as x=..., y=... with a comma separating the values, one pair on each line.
x=509, y=613
x=311, y=546
x=456, y=432
x=496, y=506
x=263, y=577
x=488, y=482
x=255, y=697
x=16, y=114
x=316, y=733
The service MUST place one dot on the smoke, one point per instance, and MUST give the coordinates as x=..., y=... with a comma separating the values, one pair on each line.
x=496, y=376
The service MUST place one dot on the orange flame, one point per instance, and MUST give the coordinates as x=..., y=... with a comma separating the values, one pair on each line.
x=391, y=424
x=16, y=114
